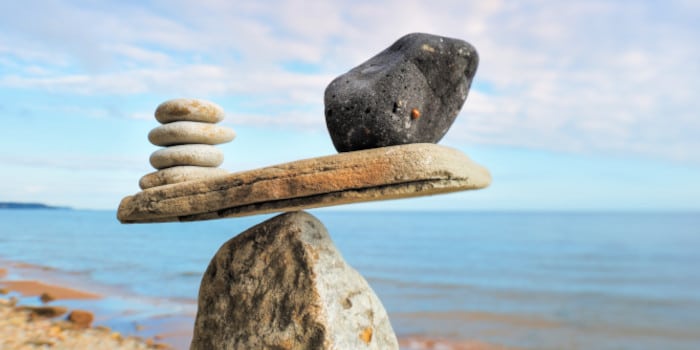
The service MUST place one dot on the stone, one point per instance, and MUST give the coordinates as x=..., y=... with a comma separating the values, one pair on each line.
x=180, y=133
x=46, y=298
x=196, y=155
x=409, y=93
x=45, y=311
x=81, y=318
x=283, y=285
x=189, y=109
x=179, y=174
x=369, y=175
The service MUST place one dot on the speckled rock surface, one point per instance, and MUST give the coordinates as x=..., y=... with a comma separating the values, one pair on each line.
x=179, y=174
x=189, y=109
x=409, y=93
x=197, y=155
x=179, y=133
x=283, y=285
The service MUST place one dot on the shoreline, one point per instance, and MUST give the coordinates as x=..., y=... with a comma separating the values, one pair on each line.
x=22, y=328
x=26, y=283
x=24, y=297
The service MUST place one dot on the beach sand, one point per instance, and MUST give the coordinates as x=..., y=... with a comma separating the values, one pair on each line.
x=28, y=327
x=21, y=330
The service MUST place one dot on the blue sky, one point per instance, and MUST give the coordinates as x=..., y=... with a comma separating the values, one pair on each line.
x=577, y=105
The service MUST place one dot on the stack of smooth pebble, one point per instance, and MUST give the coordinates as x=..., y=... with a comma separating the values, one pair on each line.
x=189, y=133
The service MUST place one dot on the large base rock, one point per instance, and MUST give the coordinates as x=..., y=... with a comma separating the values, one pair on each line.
x=283, y=285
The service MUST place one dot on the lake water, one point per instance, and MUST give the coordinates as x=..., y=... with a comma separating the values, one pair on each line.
x=529, y=280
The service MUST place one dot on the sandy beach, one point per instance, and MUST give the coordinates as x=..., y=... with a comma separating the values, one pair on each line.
x=20, y=329
x=45, y=323
x=22, y=325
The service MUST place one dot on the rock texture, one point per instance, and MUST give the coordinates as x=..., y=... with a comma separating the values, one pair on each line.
x=369, y=175
x=283, y=285
x=189, y=109
x=186, y=132
x=409, y=93
x=195, y=155
x=179, y=174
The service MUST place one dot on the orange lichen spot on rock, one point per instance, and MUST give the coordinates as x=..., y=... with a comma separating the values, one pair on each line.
x=415, y=113
x=366, y=335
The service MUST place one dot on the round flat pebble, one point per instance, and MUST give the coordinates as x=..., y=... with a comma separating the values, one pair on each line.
x=179, y=174
x=189, y=109
x=180, y=133
x=197, y=155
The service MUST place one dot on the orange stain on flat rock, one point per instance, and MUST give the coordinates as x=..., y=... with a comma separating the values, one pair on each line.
x=366, y=335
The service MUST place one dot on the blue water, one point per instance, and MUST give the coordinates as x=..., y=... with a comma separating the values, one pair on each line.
x=531, y=280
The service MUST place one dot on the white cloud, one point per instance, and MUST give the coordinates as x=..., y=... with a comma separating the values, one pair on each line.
x=584, y=76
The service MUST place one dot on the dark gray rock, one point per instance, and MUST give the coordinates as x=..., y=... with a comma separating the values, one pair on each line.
x=409, y=93
x=283, y=285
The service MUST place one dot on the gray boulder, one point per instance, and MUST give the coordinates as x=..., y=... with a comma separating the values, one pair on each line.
x=409, y=93
x=282, y=284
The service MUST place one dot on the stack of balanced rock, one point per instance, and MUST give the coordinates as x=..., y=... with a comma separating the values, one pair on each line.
x=283, y=284
x=189, y=133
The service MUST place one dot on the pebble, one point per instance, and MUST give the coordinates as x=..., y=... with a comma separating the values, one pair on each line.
x=46, y=298
x=186, y=132
x=179, y=174
x=409, y=93
x=189, y=109
x=197, y=155
x=81, y=318
x=189, y=133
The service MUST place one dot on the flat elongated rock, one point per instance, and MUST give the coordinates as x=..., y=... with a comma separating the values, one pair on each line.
x=283, y=285
x=179, y=174
x=179, y=133
x=189, y=109
x=197, y=155
x=370, y=175
x=409, y=93
x=45, y=311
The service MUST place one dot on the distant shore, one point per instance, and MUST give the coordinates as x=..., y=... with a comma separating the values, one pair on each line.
x=17, y=328
x=20, y=205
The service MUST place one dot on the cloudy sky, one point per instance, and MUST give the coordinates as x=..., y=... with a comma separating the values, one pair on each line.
x=576, y=104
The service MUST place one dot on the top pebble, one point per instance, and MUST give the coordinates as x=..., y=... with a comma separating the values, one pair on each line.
x=189, y=109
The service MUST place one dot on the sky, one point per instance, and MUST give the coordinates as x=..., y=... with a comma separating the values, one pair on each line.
x=576, y=105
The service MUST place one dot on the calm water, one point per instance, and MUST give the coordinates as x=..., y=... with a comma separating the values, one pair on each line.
x=532, y=280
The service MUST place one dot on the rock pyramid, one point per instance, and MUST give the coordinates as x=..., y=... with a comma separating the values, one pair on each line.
x=188, y=134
